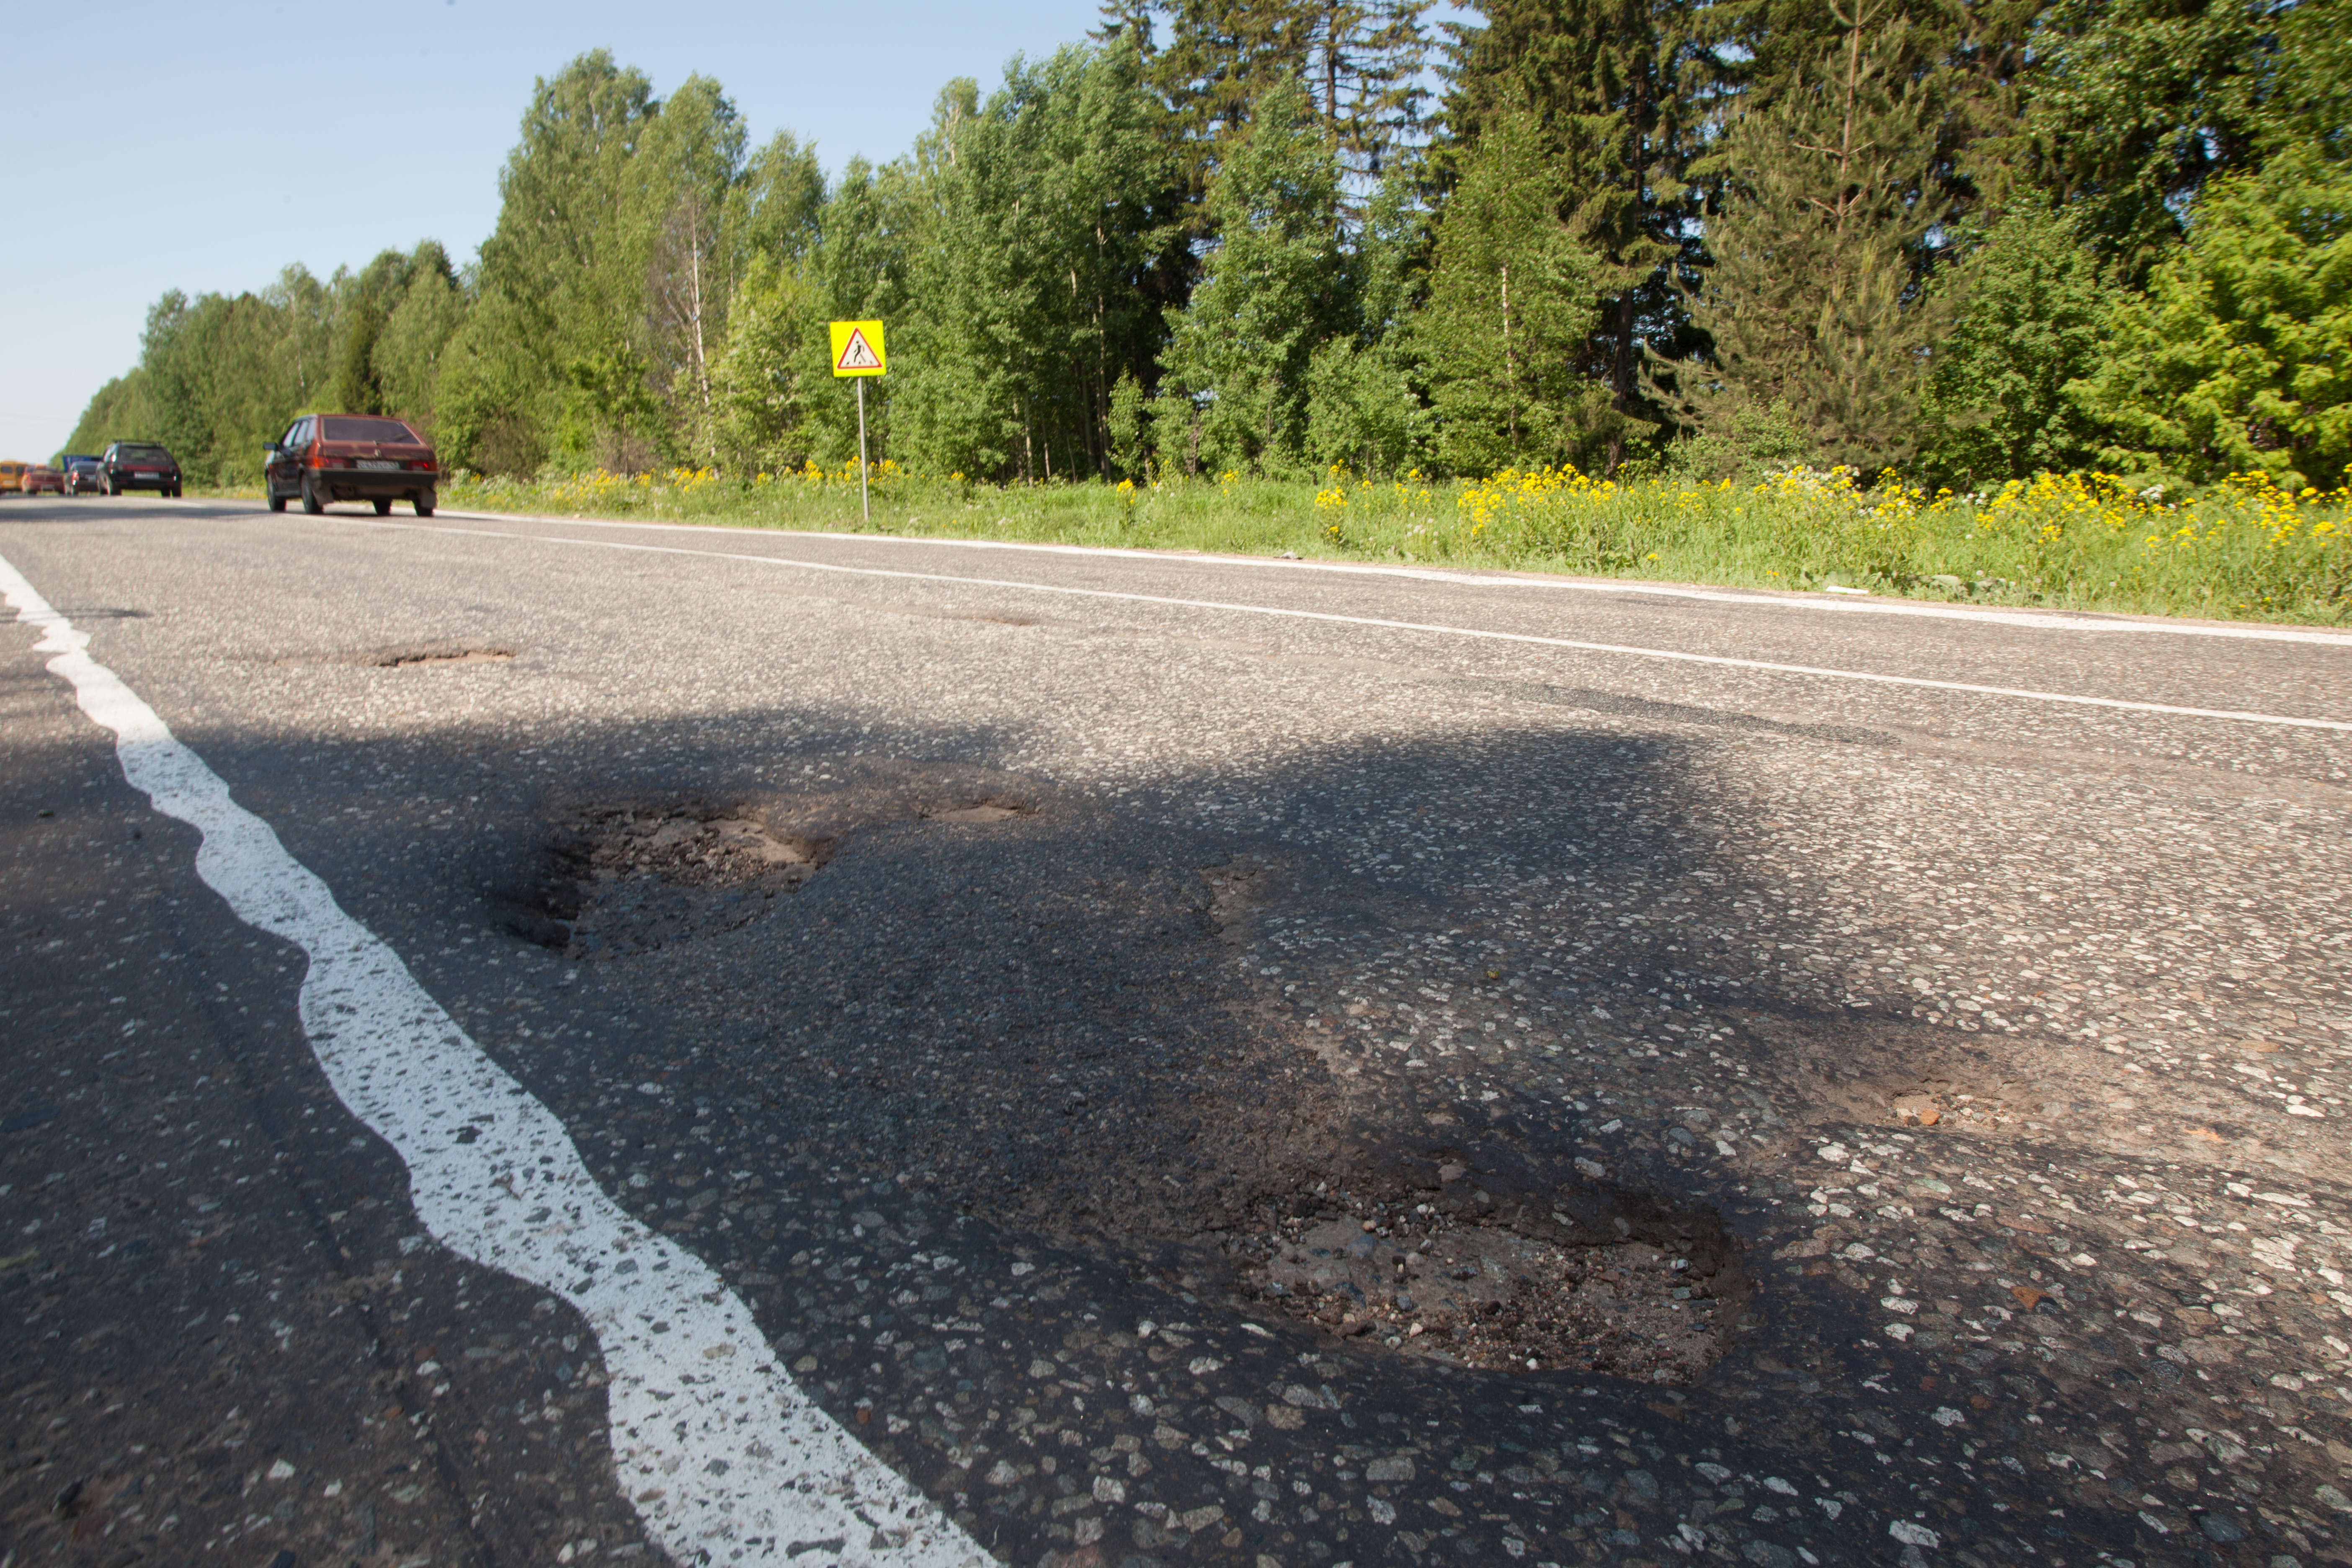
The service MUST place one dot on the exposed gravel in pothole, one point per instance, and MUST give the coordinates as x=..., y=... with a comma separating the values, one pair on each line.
x=1469, y=1292
x=407, y=654
x=630, y=879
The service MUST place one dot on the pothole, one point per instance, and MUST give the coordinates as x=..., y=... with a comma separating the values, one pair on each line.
x=1467, y=1279
x=981, y=811
x=631, y=878
x=406, y=654
x=1236, y=890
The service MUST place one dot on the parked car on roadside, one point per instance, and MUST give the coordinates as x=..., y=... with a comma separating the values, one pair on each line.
x=139, y=466
x=11, y=477
x=84, y=477
x=328, y=458
x=41, y=477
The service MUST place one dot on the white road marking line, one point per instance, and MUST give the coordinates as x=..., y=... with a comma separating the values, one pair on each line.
x=2037, y=620
x=723, y=1456
x=1720, y=660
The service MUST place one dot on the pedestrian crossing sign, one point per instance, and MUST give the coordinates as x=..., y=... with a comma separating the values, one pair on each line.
x=857, y=349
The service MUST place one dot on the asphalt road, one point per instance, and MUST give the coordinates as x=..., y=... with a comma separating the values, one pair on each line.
x=851, y=1050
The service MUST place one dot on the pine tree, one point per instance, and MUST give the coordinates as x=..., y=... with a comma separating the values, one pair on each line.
x=1814, y=299
x=1236, y=378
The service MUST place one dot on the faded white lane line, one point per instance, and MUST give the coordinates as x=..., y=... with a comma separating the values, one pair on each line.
x=2037, y=620
x=723, y=1457
x=1281, y=611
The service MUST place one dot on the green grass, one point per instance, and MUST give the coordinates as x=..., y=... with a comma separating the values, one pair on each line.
x=2244, y=550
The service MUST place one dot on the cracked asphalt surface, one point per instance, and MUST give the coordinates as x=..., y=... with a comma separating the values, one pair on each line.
x=1113, y=959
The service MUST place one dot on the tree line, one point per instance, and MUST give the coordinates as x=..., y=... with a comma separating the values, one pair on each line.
x=1966, y=239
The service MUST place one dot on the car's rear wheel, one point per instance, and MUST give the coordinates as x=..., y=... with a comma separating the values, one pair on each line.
x=383, y=505
x=310, y=502
x=277, y=502
x=114, y=487
x=425, y=504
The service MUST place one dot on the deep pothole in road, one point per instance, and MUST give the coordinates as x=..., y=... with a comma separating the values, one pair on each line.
x=1466, y=1280
x=635, y=878
x=404, y=655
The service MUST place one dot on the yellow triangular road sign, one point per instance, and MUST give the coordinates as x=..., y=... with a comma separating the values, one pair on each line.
x=857, y=348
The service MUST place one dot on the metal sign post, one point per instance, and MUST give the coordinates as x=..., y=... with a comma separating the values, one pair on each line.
x=857, y=352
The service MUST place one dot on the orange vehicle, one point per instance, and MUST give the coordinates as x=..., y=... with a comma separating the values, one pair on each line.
x=11, y=477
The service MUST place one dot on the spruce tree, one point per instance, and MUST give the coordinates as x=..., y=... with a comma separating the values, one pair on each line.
x=1361, y=62
x=2138, y=104
x=1619, y=90
x=1814, y=300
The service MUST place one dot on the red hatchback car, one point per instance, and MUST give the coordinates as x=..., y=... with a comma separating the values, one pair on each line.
x=328, y=458
x=40, y=477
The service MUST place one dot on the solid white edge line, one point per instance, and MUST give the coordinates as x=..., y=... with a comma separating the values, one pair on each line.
x=1720, y=660
x=2062, y=621
x=723, y=1457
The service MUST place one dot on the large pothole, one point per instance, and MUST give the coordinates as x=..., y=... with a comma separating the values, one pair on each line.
x=403, y=656
x=633, y=876
x=633, y=879
x=1467, y=1279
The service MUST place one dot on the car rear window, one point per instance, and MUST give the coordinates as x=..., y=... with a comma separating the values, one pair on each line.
x=129, y=452
x=377, y=430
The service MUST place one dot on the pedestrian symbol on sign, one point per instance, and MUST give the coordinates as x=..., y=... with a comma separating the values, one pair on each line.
x=857, y=354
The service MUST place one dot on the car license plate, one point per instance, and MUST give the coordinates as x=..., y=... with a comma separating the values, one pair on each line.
x=378, y=463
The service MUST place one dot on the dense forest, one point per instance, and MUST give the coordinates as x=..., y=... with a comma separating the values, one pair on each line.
x=1967, y=240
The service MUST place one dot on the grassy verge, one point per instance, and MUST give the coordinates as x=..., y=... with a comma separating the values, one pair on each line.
x=2243, y=551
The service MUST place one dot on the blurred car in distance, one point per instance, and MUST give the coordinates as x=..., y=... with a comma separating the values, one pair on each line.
x=84, y=477
x=139, y=466
x=41, y=477
x=328, y=458
x=11, y=477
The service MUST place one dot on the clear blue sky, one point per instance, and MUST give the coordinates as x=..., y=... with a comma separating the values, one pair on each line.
x=153, y=147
